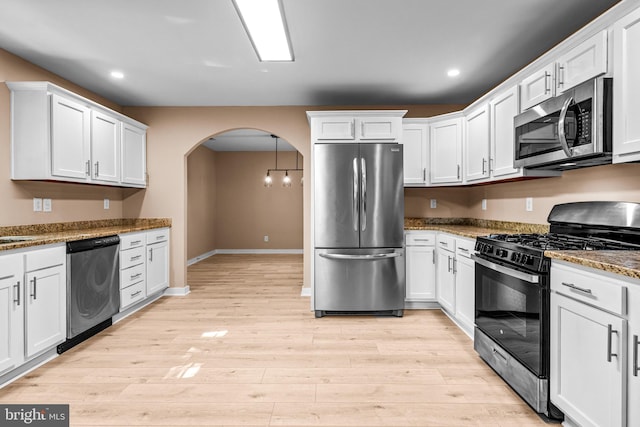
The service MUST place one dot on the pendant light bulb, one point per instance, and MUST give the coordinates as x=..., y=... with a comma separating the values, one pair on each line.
x=268, y=180
x=286, y=182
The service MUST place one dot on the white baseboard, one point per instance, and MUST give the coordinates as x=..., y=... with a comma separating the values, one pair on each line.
x=177, y=292
x=305, y=292
x=243, y=251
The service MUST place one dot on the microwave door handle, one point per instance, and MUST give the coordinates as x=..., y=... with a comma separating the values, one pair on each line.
x=561, y=133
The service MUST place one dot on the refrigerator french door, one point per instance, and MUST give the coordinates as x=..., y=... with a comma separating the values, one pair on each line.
x=359, y=224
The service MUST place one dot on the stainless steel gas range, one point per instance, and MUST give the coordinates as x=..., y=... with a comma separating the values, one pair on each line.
x=512, y=290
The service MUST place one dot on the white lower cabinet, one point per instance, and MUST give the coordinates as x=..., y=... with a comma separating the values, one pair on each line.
x=157, y=260
x=588, y=339
x=132, y=269
x=421, y=268
x=633, y=351
x=465, y=272
x=11, y=312
x=445, y=275
x=45, y=299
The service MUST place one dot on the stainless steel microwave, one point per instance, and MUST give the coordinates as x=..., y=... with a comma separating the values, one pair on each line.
x=569, y=131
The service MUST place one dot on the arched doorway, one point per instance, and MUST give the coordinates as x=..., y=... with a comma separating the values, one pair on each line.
x=229, y=207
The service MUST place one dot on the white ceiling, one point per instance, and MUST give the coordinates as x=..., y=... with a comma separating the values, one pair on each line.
x=348, y=52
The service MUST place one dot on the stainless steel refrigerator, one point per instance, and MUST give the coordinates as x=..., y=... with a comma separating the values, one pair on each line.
x=359, y=264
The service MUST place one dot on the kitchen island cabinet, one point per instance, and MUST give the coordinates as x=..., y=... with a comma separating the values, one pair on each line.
x=11, y=312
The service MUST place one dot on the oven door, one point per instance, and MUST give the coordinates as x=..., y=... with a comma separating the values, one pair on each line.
x=511, y=309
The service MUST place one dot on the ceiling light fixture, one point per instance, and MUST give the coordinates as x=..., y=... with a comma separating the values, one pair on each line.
x=286, y=181
x=266, y=26
x=117, y=74
x=453, y=72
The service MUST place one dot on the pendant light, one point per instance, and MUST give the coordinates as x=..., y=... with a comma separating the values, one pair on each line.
x=286, y=181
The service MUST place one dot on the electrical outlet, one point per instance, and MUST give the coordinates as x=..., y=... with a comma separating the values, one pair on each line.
x=37, y=204
x=266, y=238
x=529, y=204
x=46, y=205
x=434, y=203
x=484, y=204
x=106, y=203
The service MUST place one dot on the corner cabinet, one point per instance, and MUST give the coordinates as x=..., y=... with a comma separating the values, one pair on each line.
x=477, y=144
x=626, y=88
x=58, y=135
x=415, y=141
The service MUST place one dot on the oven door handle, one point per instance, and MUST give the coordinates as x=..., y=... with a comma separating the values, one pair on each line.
x=530, y=278
x=562, y=136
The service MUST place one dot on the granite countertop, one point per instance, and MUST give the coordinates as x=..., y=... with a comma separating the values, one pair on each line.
x=625, y=263
x=43, y=234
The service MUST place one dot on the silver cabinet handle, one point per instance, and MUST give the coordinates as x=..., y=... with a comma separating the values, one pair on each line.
x=561, y=134
x=87, y=168
x=458, y=175
x=34, y=288
x=150, y=254
x=356, y=188
x=464, y=250
x=96, y=166
x=17, y=287
x=424, y=174
x=455, y=261
x=636, y=368
x=135, y=294
x=135, y=276
x=135, y=242
x=491, y=165
x=610, y=331
x=363, y=197
x=449, y=264
x=484, y=166
x=135, y=258
x=362, y=257
x=547, y=87
x=422, y=240
x=577, y=288
x=433, y=257
x=444, y=244
x=560, y=76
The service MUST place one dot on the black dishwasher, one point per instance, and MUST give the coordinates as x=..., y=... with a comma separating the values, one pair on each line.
x=93, y=287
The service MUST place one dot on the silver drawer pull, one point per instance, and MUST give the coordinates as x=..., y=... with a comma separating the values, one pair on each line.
x=422, y=240
x=636, y=368
x=17, y=300
x=464, y=250
x=135, y=258
x=135, y=276
x=135, y=294
x=610, y=331
x=135, y=242
x=577, y=288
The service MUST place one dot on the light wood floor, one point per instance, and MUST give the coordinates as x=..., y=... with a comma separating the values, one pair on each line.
x=244, y=349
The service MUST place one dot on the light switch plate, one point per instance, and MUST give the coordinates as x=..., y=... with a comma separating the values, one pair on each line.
x=529, y=204
x=37, y=204
x=46, y=205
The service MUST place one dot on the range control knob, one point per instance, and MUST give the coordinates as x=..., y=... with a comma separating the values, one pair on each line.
x=501, y=253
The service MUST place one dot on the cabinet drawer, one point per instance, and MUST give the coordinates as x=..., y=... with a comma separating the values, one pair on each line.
x=465, y=247
x=156, y=236
x=134, y=240
x=45, y=258
x=598, y=290
x=131, y=275
x=131, y=295
x=131, y=257
x=421, y=239
x=447, y=242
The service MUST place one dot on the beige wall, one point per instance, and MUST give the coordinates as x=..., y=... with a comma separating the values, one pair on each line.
x=201, y=202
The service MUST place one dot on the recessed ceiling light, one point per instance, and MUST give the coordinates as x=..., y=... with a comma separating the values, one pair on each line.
x=266, y=26
x=453, y=72
x=117, y=74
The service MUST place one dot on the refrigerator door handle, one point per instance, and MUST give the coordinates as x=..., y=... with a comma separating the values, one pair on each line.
x=372, y=257
x=355, y=213
x=363, y=197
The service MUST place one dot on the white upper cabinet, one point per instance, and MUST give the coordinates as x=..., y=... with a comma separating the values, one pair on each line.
x=477, y=144
x=445, y=137
x=58, y=135
x=583, y=62
x=503, y=108
x=626, y=88
x=537, y=87
x=415, y=141
x=356, y=126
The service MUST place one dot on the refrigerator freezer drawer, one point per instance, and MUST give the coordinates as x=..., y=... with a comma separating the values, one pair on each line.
x=359, y=280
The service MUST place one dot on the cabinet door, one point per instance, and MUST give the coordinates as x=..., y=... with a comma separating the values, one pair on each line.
x=105, y=147
x=134, y=155
x=445, y=282
x=586, y=362
x=626, y=88
x=45, y=306
x=157, y=267
x=503, y=109
x=633, y=392
x=465, y=292
x=421, y=277
x=70, y=137
x=585, y=61
x=446, y=151
x=11, y=312
x=374, y=128
x=477, y=144
x=415, y=141
x=537, y=87
x=335, y=128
